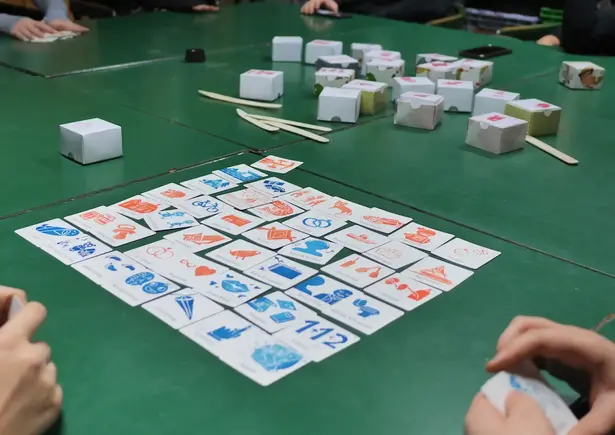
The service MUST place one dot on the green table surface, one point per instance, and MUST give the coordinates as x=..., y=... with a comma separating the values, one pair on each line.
x=125, y=367
x=143, y=38
x=32, y=170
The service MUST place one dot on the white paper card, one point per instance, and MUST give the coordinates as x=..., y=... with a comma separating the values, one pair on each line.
x=421, y=237
x=274, y=235
x=276, y=164
x=240, y=255
x=364, y=313
x=465, y=253
x=315, y=223
x=402, y=292
x=322, y=292
x=281, y=272
x=438, y=273
x=312, y=250
x=196, y=239
x=274, y=311
x=209, y=184
x=182, y=308
x=358, y=271
x=273, y=186
x=233, y=222
x=395, y=254
x=358, y=238
x=233, y=289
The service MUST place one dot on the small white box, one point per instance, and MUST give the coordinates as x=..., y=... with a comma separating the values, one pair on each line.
x=339, y=105
x=435, y=71
x=332, y=78
x=319, y=47
x=433, y=57
x=359, y=49
x=581, y=75
x=374, y=97
x=287, y=49
x=458, y=95
x=422, y=85
x=382, y=70
x=378, y=54
x=91, y=141
x=496, y=133
x=543, y=117
x=479, y=72
x=261, y=85
x=492, y=100
x=419, y=110
x=341, y=61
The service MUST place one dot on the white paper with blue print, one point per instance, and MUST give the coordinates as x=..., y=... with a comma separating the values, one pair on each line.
x=209, y=184
x=182, y=308
x=281, y=272
x=240, y=174
x=273, y=186
x=312, y=250
x=170, y=219
x=233, y=289
x=364, y=313
x=274, y=312
x=322, y=292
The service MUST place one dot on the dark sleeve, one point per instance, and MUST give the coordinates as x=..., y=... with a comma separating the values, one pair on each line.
x=587, y=30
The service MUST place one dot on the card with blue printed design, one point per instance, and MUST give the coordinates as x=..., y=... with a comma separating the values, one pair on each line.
x=202, y=206
x=364, y=313
x=182, y=308
x=125, y=278
x=312, y=250
x=240, y=174
x=317, y=338
x=322, y=292
x=274, y=312
x=63, y=241
x=233, y=289
x=170, y=219
x=281, y=272
x=315, y=223
x=209, y=184
x=273, y=186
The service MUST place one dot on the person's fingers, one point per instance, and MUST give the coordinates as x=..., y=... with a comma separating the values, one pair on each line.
x=308, y=8
x=205, y=8
x=44, y=27
x=575, y=347
x=9, y=292
x=521, y=324
x=524, y=411
x=19, y=35
x=49, y=376
x=27, y=321
x=27, y=34
x=483, y=417
x=34, y=30
x=332, y=5
x=600, y=420
x=41, y=353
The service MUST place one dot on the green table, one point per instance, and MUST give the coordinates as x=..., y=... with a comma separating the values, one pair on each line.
x=119, y=361
x=34, y=173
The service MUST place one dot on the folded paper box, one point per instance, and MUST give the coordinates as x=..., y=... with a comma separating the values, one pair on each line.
x=433, y=57
x=373, y=95
x=384, y=71
x=379, y=54
x=479, y=72
x=261, y=85
x=91, y=141
x=287, y=49
x=543, y=118
x=496, y=133
x=581, y=75
x=320, y=47
x=339, y=105
x=435, y=71
x=338, y=61
x=359, y=49
x=492, y=100
x=419, y=110
x=458, y=95
x=402, y=85
x=332, y=78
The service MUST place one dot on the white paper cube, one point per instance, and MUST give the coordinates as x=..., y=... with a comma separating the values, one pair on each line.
x=287, y=49
x=435, y=71
x=385, y=71
x=332, y=78
x=492, y=100
x=422, y=85
x=479, y=72
x=378, y=54
x=339, y=105
x=261, y=85
x=433, y=57
x=581, y=75
x=91, y=141
x=419, y=110
x=497, y=133
x=341, y=61
x=319, y=47
x=458, y=95
x=359, y=49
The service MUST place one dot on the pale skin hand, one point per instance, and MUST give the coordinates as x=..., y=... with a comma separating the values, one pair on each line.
x=27, y=29
x=30, y=398
x=549, y=40
x=523, y=417
x=528, y=338
x=205, y=8
x=6, y=295
x=312, y=6
x=67, y=25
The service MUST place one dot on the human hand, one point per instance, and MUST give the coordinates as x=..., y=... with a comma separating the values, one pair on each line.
x=27, y=29
x=68, y=25
x=549, y=40
x=206, y=8
x=529, y=338
x=6, y=296
x=30, y=398
x=313, y=5
x=523, y=417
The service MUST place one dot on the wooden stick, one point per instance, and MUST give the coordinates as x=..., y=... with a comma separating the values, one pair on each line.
x=550, y=150
x=288, y=122
x=256, y=122
x=299, y=131
x=240, y=101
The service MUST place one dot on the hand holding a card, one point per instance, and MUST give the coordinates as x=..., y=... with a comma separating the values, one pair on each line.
x=581, y=350
x=6, y=300
x=30, y=398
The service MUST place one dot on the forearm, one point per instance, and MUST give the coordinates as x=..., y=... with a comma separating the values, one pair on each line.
x=7, y=22
x=53, y=9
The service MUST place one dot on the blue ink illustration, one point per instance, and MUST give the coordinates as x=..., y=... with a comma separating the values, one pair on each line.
x=234, y=286
x=286, y=305
x=284, y=271
x=313, y=247
x=274, y=186
x=179, y=224
x=208, y=205
x=139, y=278
x=57, y=231
x=282, y=317
x=242, y=176
x=85, y=249
x=328, y=298
x=274, y=357
x=171, y=214
x=216, y=184
x=155, y=288
x=224, y=333
x=317, y=223
x=261, y=305
x=186, y=303
x=365, y=310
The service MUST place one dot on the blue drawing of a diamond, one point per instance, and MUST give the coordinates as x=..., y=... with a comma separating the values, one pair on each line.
x=186, y=303
x=274, y=357
x=286, y=305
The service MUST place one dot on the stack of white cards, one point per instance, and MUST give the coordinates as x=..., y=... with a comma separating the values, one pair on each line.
x=264, y=274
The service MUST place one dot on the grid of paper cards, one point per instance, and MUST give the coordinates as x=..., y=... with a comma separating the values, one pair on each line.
x=266, y=275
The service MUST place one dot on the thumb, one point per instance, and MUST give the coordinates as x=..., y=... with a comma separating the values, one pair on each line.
x=524, y=411
x=600, y=419
x=331, y=4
